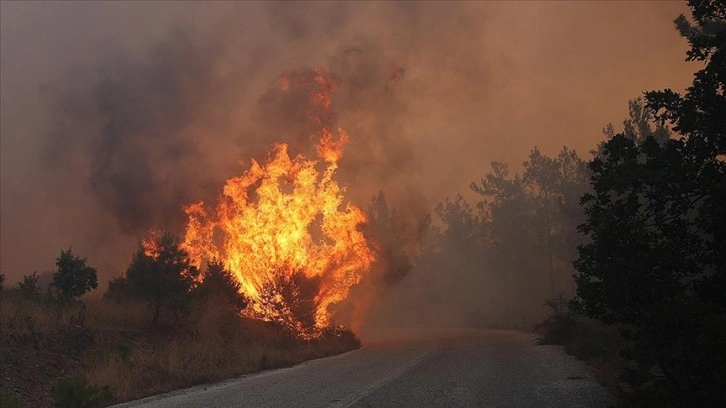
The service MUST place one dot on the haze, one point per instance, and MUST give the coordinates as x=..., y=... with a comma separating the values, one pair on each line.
x=483, y=81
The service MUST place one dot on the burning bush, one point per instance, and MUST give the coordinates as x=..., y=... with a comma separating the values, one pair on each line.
x=290, y=300
x=282, y=229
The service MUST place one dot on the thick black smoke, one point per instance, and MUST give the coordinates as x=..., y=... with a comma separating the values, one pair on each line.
x=129, y=118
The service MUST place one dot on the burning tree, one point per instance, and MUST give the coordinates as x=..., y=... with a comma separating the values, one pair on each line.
x=290, y=300
x=282, y=229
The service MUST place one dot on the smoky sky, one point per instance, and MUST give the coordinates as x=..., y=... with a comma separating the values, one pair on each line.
x=114, y=115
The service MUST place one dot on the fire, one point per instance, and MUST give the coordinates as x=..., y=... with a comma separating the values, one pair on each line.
x=282, y=227
x=150, y=243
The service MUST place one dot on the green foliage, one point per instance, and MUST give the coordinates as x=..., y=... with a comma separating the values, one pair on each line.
x=163, y=278
x=657, y=223
x=73, y=277
x=29, y=288
x=2, y=282
x=76, y=392
x=219, y=286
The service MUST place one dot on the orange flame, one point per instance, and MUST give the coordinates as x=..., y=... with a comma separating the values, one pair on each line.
x=150, y=244
x=283, y=225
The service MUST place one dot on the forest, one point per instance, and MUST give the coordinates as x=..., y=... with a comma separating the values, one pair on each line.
x=619, y=254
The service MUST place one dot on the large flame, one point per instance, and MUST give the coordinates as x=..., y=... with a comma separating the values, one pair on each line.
x=282, y=227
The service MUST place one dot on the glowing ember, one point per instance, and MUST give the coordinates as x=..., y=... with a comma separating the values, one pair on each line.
x=283, y=230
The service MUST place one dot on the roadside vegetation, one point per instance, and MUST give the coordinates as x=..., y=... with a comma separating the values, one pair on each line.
x=58, y=350
x=650, y=311
x=629, y=245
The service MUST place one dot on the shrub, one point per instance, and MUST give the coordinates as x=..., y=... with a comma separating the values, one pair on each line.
x=76, y=392
x=219, y=286
x=74, y=277
x=561, y=326
x=29, y=288
x=119, y=290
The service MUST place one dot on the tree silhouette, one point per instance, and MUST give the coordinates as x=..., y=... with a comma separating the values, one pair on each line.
x=74, y=277
x=535, y=213
x=163, y=277
x=640, y=124
x=29, y=288
x=553, y=183
x=656, y=260
x=291, y=299
x=220, y=286
x=119, y=290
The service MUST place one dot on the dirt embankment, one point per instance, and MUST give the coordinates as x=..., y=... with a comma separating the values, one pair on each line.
x=115, y=349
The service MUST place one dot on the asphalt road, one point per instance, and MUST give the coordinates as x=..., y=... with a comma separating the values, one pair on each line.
x=405, y=368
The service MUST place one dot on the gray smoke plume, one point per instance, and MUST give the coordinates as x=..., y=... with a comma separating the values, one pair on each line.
x=130, y=119
x=145, y=107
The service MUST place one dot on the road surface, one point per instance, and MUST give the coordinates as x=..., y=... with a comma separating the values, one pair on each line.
x=405, y=368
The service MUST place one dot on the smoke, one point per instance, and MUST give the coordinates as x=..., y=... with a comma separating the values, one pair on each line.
x=141, y=122
x=143, y=107
x=131, y=120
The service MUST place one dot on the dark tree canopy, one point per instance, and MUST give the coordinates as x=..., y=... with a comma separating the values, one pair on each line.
x=656, y=259
x=74, y=277
x=220, y=286
x=700, y=115
x=163, y=277
x=640, y=125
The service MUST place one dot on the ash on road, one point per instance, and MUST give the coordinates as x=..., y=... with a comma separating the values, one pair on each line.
x=413, y=368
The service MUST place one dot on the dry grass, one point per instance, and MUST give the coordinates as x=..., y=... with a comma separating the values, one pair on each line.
x=113, y=316
x=163, y=366
x=18, y=314
x=212, y=346
x=124, y=353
